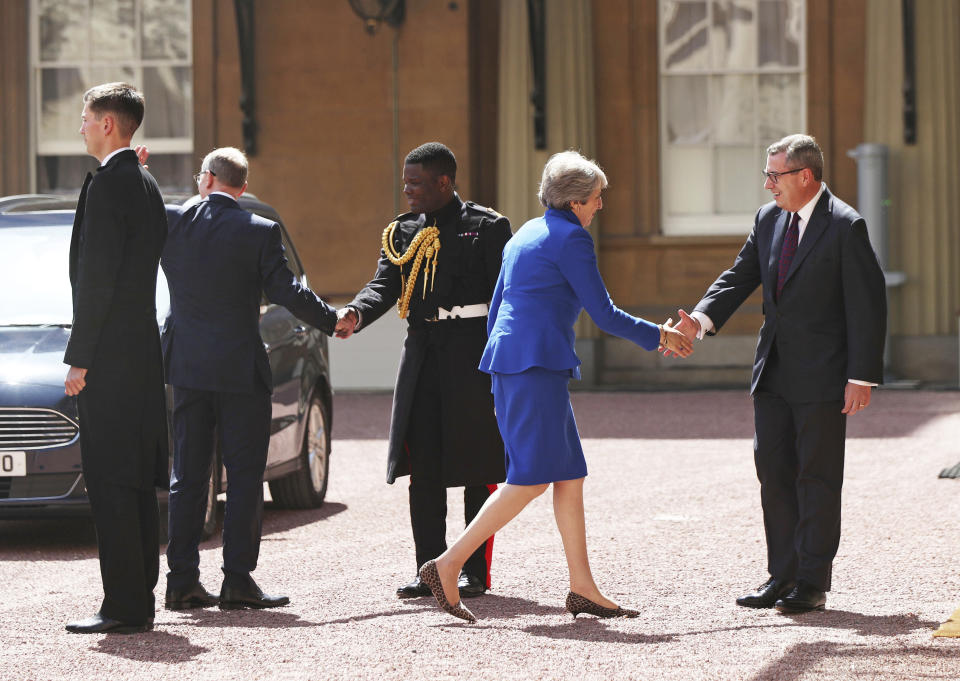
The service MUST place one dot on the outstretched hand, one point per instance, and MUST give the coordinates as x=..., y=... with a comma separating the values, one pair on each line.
x=346, y=322
x=688, y=326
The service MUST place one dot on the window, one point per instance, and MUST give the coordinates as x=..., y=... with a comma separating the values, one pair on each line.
x=76, y=44
x=732, y=81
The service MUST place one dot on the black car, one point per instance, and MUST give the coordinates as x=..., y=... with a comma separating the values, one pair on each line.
x=40, y=470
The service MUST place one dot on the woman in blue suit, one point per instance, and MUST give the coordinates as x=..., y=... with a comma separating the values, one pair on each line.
x=549, y=274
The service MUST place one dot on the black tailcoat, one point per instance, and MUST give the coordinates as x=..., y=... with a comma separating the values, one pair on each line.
x=118, y=235
x=472, y=240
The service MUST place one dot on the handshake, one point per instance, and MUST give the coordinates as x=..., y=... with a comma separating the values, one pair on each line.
x=676, y=340
x=347, y=320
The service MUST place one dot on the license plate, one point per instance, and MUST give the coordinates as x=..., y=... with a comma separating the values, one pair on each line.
x=13, y=464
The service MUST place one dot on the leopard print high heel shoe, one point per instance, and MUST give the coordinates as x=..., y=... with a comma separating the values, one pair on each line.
x=577, y=604
x=430, y=577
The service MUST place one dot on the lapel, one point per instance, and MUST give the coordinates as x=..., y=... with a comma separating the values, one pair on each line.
x=819, y=220
x=779, y=231
x=75, y=237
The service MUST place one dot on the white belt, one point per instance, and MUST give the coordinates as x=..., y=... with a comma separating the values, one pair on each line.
x=463, y=311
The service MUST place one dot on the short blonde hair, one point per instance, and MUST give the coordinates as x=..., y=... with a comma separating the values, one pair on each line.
x=568, y=177
x=228, y=165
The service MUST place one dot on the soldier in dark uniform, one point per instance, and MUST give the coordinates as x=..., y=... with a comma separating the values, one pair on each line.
x=439, y=264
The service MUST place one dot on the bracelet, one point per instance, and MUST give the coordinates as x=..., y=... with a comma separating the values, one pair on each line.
x=663, y=335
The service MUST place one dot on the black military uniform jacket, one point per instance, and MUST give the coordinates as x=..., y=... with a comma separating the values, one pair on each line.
x=468, y=264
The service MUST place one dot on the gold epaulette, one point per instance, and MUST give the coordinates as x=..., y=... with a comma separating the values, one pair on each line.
x=471, y=204
x=425, y=246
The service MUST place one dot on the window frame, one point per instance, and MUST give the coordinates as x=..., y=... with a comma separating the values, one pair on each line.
x=719, y=224
x=38, y=148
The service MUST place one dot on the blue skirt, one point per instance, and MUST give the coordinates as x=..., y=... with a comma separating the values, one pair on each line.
x=540, y=435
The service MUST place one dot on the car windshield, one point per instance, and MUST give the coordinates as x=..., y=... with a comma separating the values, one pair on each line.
x=35, y=276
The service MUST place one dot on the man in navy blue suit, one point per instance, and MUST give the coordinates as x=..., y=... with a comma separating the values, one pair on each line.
x=819, y=354
x=217, y=259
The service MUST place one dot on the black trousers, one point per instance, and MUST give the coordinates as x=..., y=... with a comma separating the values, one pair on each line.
x=428, y=493
x=127, y=521
x=428, y=517
x=241, y=424
x=799, y=456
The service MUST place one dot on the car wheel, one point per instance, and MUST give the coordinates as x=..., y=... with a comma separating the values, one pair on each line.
x=307, y=486
x=210, y=509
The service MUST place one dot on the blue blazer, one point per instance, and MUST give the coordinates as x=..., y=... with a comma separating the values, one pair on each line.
x=217, y=260
x=549, y=274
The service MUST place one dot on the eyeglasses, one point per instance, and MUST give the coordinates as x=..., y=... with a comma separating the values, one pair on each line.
x=196, y=178
x=775, y=177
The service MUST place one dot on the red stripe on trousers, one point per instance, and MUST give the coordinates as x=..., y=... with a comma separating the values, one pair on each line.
x=488, y=553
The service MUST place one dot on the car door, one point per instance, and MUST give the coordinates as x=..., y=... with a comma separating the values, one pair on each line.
x=287, y=344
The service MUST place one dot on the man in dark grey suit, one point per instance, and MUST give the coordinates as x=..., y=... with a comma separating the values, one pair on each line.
x=218, y=259
x=819, y=354
x=114, y=358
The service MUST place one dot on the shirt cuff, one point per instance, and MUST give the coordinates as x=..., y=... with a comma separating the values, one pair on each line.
x=856, y=382
x=706, y=324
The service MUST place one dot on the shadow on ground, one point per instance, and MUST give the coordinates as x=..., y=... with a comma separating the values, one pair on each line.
x=254, y=619
x=802, y=659
x=865, y=625
x=590, y=629
x=57, y=538
x=75, y=538
x=153, y=646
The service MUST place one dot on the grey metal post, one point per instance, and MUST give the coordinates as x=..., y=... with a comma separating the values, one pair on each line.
x=872, y=204
x=872, y=196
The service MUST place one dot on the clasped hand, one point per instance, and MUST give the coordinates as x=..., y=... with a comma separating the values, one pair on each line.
x=679, y=337
x=346, y=322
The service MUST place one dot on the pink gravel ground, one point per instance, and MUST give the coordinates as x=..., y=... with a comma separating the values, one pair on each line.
x=674, y=527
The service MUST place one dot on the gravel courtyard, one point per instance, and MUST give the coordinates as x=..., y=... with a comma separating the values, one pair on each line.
x=674, y=528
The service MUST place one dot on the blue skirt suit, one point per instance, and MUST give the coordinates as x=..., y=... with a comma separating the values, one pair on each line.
x=549, y=274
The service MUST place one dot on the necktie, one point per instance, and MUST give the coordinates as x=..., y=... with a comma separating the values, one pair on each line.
x=787, y=252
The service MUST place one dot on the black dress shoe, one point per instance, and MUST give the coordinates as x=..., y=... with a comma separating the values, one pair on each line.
x=803, y=598
x=767, y=594
x=185, y=599
x=415, y=589
x=98, y=624
x=470, y=586
x=250, y=596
